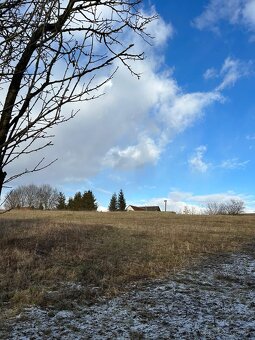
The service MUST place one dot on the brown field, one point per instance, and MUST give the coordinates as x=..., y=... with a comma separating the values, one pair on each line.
x=104, y=253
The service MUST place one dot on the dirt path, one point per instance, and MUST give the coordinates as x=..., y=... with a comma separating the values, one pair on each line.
x=214, y=302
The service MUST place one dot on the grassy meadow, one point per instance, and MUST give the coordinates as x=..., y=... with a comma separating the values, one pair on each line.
x=48, y=251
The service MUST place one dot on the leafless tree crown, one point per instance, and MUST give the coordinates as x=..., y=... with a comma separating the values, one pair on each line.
x=230, y=207
x=52, y=53
x=32, y=196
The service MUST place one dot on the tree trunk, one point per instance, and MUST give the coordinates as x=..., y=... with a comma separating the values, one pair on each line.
x=2, y=178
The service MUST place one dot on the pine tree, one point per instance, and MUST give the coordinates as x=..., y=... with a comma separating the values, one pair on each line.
x=61, y=205
x=78, y=201
x=113, y=206
x=89, y=201
x=70, y=204
x=121, y=201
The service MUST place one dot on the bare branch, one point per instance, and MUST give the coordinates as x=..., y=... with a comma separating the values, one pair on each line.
x=50, y=54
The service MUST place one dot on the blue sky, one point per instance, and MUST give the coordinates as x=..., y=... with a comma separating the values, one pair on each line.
x=185, y=131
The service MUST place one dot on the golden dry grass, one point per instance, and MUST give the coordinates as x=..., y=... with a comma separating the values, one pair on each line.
x=42, y=250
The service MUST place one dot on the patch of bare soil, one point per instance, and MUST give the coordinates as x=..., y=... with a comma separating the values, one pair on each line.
x=213, y=301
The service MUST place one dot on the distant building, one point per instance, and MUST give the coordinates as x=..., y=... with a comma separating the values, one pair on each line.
x=145, y=208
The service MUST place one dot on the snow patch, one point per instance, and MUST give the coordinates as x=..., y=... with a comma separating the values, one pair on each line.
x=216, y=301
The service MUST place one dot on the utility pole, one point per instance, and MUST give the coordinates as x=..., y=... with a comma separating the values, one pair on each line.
x=165, y=204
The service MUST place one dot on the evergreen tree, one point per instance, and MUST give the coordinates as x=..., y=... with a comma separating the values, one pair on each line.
x=70, y=204
x=78, y=201
x=121, y=201
x=61, y=205
x=89, y=201
x=113, y=206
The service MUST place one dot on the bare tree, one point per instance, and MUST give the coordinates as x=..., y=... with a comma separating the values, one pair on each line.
x=32, y=196
x=212, y=208
x=13, y=199
x=47, y=197
x=52, y=53
x=186, y=210
x=235, y=207
x=231, y=207
x=30, y=193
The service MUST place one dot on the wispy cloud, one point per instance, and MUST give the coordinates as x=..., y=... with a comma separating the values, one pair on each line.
x=211, y=73
x=231, y=71
x=250, y=137
x=236, y=12
x=196, y=162
x=234, y=163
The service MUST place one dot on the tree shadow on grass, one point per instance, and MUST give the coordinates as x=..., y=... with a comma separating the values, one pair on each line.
x=38, y=256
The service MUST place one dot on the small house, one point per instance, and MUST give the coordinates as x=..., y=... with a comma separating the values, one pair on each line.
x=144, y=208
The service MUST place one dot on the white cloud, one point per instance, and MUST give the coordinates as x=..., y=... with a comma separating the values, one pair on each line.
x=131, y=124
x=236, y=12
x=160, y=31
x=211, y=73
x=249, y=14
x=234, y=163
x=182, y=109
x=232, y=70
x=102, y=208
x=196, y=162
x=146, y=151
x=126, y=128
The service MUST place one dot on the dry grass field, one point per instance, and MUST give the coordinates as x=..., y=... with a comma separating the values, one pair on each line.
x=46, y=251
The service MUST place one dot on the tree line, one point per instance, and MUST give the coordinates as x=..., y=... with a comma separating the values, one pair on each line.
x=78, y=202
x=87, y=201
x=46, y=197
